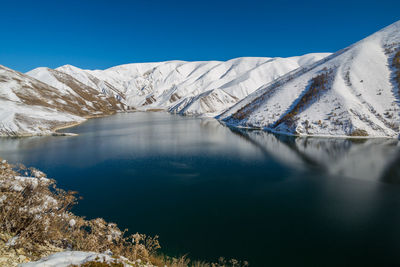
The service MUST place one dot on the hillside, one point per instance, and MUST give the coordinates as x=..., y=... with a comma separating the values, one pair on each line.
x=354, y=92
x=189, y=88
x=31, y=107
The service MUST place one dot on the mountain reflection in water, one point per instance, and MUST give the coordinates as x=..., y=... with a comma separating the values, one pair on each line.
x=367, y=159
x=212, y=191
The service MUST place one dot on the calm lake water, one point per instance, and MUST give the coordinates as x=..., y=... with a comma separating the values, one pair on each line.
x=211, y=191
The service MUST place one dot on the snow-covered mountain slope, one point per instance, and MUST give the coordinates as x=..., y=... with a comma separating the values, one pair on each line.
x=353, y=92
x=31, y=107
x=80, y=75
x=191, y=88
x=91, y=100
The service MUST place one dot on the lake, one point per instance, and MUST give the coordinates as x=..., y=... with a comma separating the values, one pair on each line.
x=211, y=191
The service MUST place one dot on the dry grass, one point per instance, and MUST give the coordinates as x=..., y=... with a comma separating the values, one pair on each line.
x=155, y=110
x=37, y=215
x=100, y=264
x=318, y=85
x=359, y=132
x=396, y=65
x=84, y=101
x=35, y=220
x=149, y=100
x=174, y=97
x=184, y=261
x=247, y=109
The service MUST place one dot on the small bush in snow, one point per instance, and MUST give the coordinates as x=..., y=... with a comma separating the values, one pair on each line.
x=36, y=215
x=318, y=85
x=359, y=132
x=35, y=220
x=396, y=64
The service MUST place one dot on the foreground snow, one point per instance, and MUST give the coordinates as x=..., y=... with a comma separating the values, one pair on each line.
x=68, y=258
x=35, y=222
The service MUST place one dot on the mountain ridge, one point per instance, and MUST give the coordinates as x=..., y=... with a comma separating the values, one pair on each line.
x=354, y=92
x=160, y=85
x=31, y=107
x=357, y=97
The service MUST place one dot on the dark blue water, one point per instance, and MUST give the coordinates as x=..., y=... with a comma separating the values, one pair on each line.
x=211, y=191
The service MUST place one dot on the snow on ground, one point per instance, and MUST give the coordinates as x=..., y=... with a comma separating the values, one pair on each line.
x=22, y=110
x=358, y=97
x=68, y=258
x=43, y=74
x=37, y=187
x=349, y=93
x=19, y=119
x=203, y=88
x=31, y=107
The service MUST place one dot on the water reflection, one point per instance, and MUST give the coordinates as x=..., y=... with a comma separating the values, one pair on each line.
x=129, y=136
x=366, y=159
x=163, y=134
x=271, y=199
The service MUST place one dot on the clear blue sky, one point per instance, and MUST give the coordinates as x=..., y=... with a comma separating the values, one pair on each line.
x=100, y=34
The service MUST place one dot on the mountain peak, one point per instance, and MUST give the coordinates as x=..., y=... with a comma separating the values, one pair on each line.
x=67, y=66
x=351, y=93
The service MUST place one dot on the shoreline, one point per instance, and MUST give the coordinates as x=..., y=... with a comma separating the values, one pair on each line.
x=307, y=135
x=72, y=124
x=54, y=131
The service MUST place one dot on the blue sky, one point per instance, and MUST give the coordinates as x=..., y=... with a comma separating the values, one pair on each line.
x=100, y=34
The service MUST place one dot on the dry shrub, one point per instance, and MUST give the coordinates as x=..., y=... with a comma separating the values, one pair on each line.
x=149, y=100
x=318, y=85
x=100, y=264
x=184, y=261
x=396, y=64
x=359, y=132
x=247, y=109
x=174, y=97
x=37, y=215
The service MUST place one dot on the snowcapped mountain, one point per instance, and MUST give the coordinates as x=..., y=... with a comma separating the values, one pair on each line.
x=45, y=99
x=354, y=92
x=190, y=88
x=31, y=107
